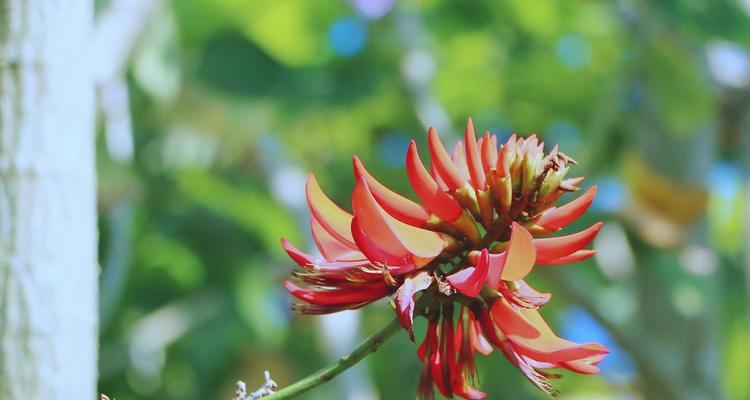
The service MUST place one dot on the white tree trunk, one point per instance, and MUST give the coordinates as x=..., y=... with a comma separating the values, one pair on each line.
x=48, y=258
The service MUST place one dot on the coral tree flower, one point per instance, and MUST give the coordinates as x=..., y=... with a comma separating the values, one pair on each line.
x=459, y=257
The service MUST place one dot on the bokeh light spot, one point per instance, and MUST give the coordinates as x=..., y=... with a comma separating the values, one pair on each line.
x=565, y=134
x=573, y=51
x=347, y=36
x=373, y=9
x=611, y=195
x=392, y=149
x=578, y=325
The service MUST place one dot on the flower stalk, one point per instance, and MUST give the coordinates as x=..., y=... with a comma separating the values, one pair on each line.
x=370, y=345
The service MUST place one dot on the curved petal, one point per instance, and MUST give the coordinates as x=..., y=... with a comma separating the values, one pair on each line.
x=330, y=247
x=391, y=235
x=401, y=208
x=309, y=262
x=442, y=161
x=579, y=255
x=497, y=264
x=469, y=281
x=439, y=202
x=337, y=296
x=532, y=337
x=373, y=251
x=521, y=254
x=561, y=246
x=405, y=298
x=558, y=217
x=473, y=158
x=332, y=217
x=520, y=294
x=581, y=367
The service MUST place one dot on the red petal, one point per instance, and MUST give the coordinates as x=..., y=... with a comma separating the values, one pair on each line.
x=333, y=297
x=488, y=326
x=429, y=344
x=478, y=340
x=497, y=263
x=405, y=298
x=395, y=204
x=558, y=217
x=330, y=247
x=489, y=151
x=521, y=254
x=580, y=366
x=373, y=251
x=463, y=389
x=459, y=159
x=442, y=161
x=439, y=202
x=436, y=370
x=473, y=159
x=329, y=267
x=469, y=281
x=332, y=217
x=391, y=235
x=575, y=257
x=434, y=174
x=300, y=257
x=561, y=246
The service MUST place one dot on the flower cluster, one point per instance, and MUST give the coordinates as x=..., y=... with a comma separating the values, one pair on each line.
x=465, y=250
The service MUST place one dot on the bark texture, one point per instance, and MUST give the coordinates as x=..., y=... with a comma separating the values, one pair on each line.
x=48, y=260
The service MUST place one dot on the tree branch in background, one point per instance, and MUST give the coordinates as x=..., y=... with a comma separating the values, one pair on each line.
x=655, y=378
x=117, y=29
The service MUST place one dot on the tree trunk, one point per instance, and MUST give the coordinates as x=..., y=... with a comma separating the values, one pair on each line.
x=48, y=257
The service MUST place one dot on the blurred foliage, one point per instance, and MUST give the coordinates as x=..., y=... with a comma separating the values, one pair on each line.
x=234, y=100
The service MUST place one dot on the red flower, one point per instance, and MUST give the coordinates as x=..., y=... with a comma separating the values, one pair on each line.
x=472, y=241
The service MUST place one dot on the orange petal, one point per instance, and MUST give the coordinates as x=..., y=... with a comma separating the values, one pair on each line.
x=532, y=337
x=332, y=217
x=575, y=257
x=390, y=234
x=558, y=217
x=442, y=161
x=439, y=202
x=557, y=247
x=521, y=254
x=395, y=204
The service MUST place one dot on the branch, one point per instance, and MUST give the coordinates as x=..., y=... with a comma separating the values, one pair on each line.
x=115, y=34
x=342, y=364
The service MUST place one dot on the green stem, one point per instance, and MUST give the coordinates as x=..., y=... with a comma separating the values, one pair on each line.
x=342, y=364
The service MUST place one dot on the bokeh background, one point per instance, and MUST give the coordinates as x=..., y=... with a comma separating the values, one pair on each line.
x=231, y=102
